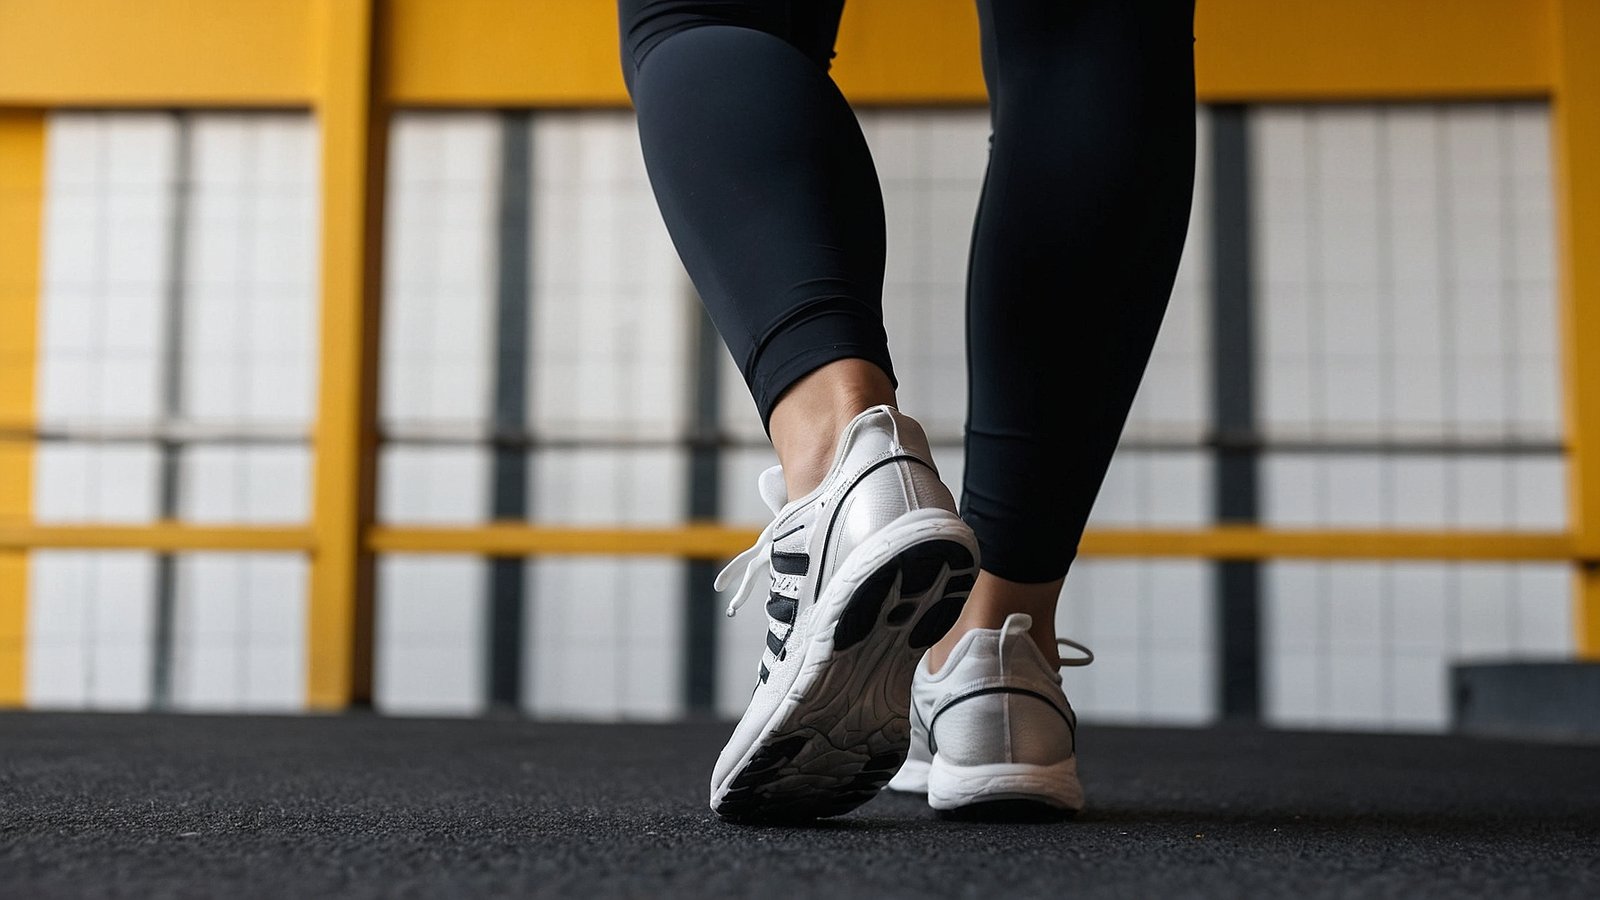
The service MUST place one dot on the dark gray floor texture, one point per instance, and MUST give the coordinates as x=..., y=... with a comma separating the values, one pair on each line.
x=140, y=805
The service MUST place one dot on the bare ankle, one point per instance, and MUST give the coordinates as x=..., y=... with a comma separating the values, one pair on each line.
x=993, y=599
x=809, y=417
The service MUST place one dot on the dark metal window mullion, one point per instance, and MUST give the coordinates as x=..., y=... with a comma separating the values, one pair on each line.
x=701, y=606
x=1233, y=376
x=509, y=495
x=169, y=447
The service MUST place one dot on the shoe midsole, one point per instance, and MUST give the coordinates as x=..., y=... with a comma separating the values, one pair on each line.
x=953, y=786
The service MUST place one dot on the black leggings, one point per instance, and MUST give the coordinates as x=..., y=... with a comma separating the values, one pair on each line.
x=768, y=189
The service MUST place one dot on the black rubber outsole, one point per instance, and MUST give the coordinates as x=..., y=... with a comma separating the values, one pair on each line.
x=1008, y=811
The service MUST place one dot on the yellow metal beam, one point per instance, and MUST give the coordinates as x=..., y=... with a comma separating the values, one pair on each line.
x=719, y=542
x=1244, y=542
x=564, y=52
x=1265, y=50
x=506, y=539
x=155, y=53
x=22, y=145
x=708, y=541
x=503, y=53
x=354, y=133
x=1576, y=113
x=167, y=537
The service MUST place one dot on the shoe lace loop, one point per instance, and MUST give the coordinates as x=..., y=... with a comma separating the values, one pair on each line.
x=756, y=562
x=1073, y=662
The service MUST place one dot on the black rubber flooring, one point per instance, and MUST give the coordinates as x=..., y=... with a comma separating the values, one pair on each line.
x=134, y=805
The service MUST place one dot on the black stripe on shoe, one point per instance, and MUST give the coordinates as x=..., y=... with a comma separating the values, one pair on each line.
x=787, y=563
x=782, y=608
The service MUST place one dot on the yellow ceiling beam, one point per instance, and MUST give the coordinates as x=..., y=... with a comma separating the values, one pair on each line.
x=503, y=53
x=1332, y=50
x=564, y=52
x=141, y=53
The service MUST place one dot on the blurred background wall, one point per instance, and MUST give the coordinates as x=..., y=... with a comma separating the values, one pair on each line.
x=1366, y=336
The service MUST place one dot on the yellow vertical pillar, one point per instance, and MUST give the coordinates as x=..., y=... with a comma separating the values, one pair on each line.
x=21, y=205
x=1576, y=111
x=354, y=133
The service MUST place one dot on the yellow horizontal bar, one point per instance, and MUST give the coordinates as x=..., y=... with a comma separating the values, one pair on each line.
x=156, y=52
x=503, y=53
x=564, y=52
x=689, y=541
x=1243, y=542
x=1266, y=50
x=719, y=542
x=159, y=536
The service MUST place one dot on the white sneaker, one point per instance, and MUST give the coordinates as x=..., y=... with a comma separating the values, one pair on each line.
x=868, y=571
x=993, y=726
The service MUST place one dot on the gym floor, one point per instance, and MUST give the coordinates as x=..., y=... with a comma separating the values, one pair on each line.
x=366, y=806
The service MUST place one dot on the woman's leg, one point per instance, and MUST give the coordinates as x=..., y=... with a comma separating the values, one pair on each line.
x=765, y=182
x=1082, y=221
x=768, y=189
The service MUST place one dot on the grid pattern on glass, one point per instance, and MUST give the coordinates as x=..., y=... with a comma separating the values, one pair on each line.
x=1148, y=621
x=239, y=641
x=431, y=623
x=107, y=233
x=249, y=342
x=613, y=311
x=1409, y=380
x=439, y=278
x=1353, y=645
x=604, y=635
x=610, y=380
x=435, y=382
x=606, y=358
x=1406, y=273
x=430, y=635
x=89, y=630
x=1469, y=490
x=176, y=375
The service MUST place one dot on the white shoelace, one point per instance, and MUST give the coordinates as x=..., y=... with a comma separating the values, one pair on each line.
x=757, y=563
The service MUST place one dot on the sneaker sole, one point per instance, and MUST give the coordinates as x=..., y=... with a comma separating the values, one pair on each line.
x=843, y=729
x=1009, y=790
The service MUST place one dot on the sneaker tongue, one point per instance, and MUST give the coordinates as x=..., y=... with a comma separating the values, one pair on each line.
x=772, y=489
